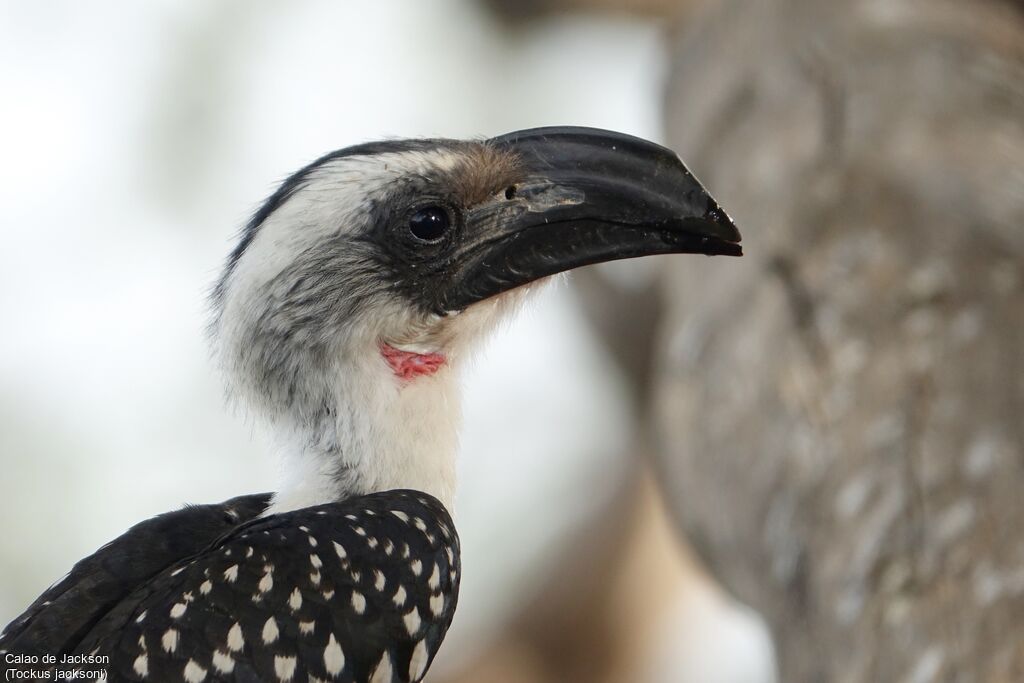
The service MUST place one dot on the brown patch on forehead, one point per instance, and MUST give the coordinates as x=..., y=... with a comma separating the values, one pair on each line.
x=483, y=172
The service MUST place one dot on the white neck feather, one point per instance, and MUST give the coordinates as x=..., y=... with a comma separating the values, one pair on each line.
x=387, y=434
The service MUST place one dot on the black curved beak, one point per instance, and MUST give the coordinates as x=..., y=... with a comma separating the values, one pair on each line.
x=586, y=196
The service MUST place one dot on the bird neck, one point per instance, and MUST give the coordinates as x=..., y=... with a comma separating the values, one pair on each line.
x=388, y=427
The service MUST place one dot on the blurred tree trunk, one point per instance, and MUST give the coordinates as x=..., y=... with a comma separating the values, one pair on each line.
x=841, y=411
x=516, y=11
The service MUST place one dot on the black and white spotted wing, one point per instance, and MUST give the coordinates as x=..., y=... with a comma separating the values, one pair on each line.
x=57, y=621
x=361, y=590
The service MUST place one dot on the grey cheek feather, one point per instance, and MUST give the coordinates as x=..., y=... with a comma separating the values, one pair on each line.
x=284, y=355
x=285, y=350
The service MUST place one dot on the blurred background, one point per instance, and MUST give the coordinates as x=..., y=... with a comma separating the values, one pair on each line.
x=803, y=465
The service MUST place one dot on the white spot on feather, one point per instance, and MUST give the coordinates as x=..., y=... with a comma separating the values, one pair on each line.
x=435, y=578
x=141, y=665
x=437, y=604
x=418, y=661
x=170, y=640
x=235, y=640
x=295, y=600
x=340, y=550
x=178, y=610
x=223, y=662
x=193, y=672
x=334, y=658
x=401, y=515
x=416, y=566
x=399, y=598
x=231, y=573
x=379, y=580
x=358, y=602
x=382, y=672
x=284, y=667
x=270, y=631
x=306, y=627
x=314, y=560
x=205, y=587
x=267, y=582
x=412, y=621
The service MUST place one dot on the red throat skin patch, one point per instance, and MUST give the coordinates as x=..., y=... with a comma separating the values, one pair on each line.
x=408, y=365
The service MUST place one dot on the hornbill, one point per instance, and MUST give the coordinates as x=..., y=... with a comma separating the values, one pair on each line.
x=354, y=294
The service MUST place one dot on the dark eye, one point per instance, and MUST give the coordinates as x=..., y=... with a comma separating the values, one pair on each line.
x=429, y=223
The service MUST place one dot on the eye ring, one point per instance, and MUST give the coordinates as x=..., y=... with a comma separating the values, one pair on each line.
x=430, y=223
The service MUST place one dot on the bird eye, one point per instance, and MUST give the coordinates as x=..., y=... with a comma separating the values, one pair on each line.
x=429, y=223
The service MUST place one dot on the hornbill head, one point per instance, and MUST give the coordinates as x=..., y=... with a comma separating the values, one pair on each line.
x=426, y=229
x=405, y=250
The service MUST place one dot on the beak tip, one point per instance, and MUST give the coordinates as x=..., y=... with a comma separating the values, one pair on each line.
x=722, y=237
x=727, y=228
